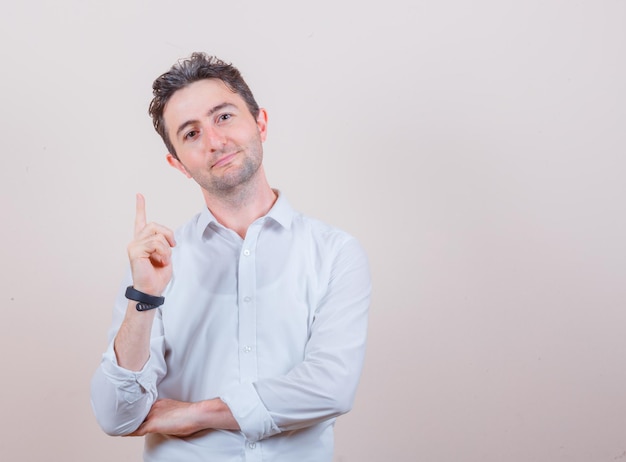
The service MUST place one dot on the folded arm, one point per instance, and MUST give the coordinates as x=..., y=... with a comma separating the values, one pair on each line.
x=321, y=387
x=324, y=384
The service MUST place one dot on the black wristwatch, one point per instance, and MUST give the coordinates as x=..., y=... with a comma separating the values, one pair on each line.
x=146, y=302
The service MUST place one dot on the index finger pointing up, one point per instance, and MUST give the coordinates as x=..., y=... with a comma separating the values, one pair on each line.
x=140, y=214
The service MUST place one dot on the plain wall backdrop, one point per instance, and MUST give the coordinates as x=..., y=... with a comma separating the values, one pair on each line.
x=476, y=149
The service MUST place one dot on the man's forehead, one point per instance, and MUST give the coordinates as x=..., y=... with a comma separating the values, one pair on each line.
x=198, y=99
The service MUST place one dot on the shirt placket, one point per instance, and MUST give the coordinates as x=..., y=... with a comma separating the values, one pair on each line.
x=246, y=296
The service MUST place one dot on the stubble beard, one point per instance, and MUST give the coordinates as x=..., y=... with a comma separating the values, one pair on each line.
x=236, y=179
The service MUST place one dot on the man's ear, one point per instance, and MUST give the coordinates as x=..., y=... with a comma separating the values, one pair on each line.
x=177, y=164
x=261, y=123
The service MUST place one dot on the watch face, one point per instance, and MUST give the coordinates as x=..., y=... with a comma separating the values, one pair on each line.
x=144, y=306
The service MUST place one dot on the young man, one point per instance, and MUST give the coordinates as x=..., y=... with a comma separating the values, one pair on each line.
x=241, y=336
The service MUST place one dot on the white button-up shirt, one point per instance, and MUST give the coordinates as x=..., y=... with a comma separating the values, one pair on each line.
x=273, y=324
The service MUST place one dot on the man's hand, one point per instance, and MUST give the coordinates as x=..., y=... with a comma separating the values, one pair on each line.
x=150, y=253
x=179, y=418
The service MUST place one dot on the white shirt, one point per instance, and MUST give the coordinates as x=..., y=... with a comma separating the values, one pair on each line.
x=273, y=324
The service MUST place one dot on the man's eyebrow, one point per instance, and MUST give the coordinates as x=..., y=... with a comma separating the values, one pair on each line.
x=212, y=111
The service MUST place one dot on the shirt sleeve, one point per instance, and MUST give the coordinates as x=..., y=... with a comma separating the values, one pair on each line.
x=120, y=398
x=324, y=384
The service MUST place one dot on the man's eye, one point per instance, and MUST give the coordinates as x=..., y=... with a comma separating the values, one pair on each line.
x=190, y=134
x=224, y=117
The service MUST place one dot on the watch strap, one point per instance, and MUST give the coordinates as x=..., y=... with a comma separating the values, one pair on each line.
x=138, y=296
x=145, y=306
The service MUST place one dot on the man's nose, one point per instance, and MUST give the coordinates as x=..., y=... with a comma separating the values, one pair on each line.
x=215, y=138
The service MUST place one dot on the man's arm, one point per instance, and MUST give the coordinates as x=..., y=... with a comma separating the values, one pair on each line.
x=150, y=256
x=124, y=387
x=322, y=386
x=179, y=418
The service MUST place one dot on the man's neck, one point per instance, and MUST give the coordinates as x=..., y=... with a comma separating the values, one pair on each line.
x=240, y=207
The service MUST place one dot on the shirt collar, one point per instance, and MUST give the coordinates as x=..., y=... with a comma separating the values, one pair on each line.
x=281, y=212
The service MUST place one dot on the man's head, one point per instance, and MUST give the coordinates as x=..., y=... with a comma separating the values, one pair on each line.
x=197, y=67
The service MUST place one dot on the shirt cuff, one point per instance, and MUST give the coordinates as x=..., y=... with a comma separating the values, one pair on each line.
x=250, y=413
x=131, y=385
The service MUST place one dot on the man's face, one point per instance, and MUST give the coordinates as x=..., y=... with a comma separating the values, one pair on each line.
x=217, y=140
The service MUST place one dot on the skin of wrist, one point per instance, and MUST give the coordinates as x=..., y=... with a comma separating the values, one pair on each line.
x=214, y=413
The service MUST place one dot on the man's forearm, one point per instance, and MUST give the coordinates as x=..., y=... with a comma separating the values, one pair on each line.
x=217, y=415
x=132, y=342
x=179, y=418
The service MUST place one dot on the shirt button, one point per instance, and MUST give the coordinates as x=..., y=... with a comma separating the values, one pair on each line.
x=252, y=445
x=247, y=299
x=246, y=253
x=247, y=349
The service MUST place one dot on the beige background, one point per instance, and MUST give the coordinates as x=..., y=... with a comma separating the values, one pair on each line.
x=475, y=148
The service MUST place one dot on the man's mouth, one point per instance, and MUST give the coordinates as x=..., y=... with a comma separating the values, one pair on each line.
x=224, y=160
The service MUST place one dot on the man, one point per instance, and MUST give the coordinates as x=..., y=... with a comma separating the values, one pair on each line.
x=241, y=336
